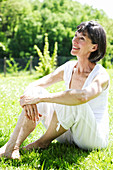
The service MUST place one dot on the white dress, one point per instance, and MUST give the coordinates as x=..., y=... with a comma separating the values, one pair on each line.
x=87, y=124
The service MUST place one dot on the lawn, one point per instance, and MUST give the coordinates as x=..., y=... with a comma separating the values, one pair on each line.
x=56, y=156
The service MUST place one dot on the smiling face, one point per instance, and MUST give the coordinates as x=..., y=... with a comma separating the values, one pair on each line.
x=82, y=45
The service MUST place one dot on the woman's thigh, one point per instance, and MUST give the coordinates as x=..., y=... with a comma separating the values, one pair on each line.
x=83, y=125
x=78, y=120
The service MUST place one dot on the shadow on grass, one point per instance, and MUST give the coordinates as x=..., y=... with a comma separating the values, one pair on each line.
x=56, y=156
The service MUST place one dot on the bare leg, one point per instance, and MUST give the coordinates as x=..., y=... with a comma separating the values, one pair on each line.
x=49, y=135
x=23, y=128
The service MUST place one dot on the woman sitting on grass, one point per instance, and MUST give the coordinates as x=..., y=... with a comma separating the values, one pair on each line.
x=78, y=115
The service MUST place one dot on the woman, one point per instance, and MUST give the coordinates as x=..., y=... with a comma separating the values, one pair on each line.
x=78, y=114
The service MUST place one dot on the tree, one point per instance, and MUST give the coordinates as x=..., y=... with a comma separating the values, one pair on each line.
x=23, y=23
x=17, y=26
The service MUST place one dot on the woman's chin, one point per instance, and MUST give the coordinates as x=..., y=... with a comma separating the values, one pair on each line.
x=73, y=53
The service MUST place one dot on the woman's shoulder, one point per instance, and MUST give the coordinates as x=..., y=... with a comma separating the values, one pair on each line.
x=103, y=74
x=68, y=70
x=102, y=70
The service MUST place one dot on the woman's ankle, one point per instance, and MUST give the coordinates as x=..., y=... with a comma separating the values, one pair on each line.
x=11, y=146
x=43, y=143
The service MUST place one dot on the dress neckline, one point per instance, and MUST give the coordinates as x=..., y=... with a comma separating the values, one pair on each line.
x=86, y=78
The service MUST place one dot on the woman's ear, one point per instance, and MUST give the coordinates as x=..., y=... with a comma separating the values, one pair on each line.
x=94, y=47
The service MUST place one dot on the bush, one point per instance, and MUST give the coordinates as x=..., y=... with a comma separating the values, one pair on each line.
x=12, y=66
x=47, y=63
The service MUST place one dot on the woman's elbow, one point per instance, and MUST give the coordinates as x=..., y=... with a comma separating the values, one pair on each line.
x=81, y=97
x=84, y=97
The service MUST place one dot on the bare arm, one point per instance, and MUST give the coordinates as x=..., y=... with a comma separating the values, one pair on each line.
x=30, y=110
x=73, y=96
x=76, y=97
x=49, y=79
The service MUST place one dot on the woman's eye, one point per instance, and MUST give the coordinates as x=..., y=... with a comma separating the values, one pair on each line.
x=75, y=35
x=82, y=38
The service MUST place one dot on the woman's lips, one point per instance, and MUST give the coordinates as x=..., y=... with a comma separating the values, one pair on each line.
x=76, y=48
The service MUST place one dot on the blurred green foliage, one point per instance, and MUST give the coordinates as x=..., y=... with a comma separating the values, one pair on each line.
x=12, y=66
x=23, y=23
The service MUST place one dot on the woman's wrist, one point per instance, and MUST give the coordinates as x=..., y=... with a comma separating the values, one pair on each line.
x=46, y=98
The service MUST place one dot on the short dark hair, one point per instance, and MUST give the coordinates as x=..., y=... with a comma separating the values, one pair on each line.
x=97, y=35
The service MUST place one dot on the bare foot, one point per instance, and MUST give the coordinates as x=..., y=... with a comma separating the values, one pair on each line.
x=36, y=145
x=9, y=154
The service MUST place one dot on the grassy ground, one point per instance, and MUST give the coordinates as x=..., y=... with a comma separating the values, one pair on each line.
x=57, y=156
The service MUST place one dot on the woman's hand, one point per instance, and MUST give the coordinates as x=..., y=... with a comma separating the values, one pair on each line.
x=28, y=99
x=31, y=112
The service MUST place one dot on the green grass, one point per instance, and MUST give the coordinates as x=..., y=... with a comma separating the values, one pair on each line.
x=57, y=156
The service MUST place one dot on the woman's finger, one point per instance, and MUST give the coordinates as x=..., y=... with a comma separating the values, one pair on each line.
x=32, y=113
x=29, y=112
x=26, y=112
x=36, y=112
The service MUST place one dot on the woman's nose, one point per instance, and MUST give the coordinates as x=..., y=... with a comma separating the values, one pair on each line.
x=75, y=40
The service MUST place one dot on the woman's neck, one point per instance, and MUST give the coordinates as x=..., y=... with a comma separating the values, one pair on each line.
x=84, y=66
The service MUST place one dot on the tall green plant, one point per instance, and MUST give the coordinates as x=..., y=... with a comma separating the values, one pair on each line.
x=13, y=66
x=47, y=63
